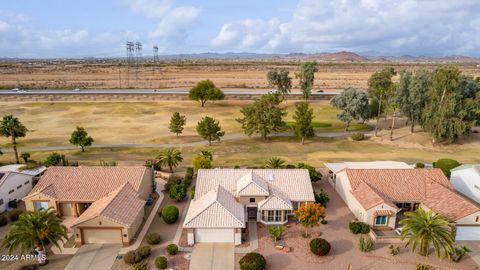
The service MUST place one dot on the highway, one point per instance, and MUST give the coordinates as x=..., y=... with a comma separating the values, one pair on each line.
x=135, y=91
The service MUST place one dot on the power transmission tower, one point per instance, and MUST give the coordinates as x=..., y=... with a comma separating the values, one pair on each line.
x=130, y=47
x=138, y=57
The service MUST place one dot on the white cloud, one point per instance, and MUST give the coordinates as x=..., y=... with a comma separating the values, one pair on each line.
x=4, y=26
x=372, y=26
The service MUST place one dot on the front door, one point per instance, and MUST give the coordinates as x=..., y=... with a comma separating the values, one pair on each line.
x=252, y=213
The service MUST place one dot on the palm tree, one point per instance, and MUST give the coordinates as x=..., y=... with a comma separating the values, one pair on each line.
x=206, y=154
x=12, y=127
x=424, y=229
x=275, y=163
x=36, y=230
x=170, y=157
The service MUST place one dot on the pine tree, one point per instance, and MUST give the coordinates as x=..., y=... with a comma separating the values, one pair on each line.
x=303, y=121
x=210, y=129
x=177, y=123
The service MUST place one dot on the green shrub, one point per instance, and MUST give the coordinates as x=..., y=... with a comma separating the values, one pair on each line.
x=358, y=136
x=290, y=166
x=170, y=214
x=314, y=174
x=14, y=214
x=357, y=227
x=322, y=198
x=173, y=180
x=253, y=261
x=188, y=177
x=324, y=221
x=201, y=162
x=276, y=232
x=394, y=250
x=172, y=249
x=365, y=244
x=419, y=165
x=161, y=262
x=446, y=164
x=144, y=251
x=153, y=238
x=53, y=159
x=132, y=257
x=178, y=192
x=192, y=192
x=3, y=220
x=319, y=246
x=423, y=267
x=459, y=253
x=140, y=266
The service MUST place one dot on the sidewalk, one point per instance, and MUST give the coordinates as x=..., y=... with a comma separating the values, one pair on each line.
x=252, y=238
x=178, y=234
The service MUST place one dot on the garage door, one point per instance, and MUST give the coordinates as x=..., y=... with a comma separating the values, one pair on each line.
x=214, y=235
x=102, y=236
x=468, y=233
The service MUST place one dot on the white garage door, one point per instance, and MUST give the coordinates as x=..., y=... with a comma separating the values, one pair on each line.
x=102, y=236
x=468, y=233
x=214, y=235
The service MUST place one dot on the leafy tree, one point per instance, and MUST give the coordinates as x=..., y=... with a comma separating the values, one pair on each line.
x=206, y=153
x=275, y=163
x=419, y=98
x=309, y=215
x=177, y=123
x=25, y=156
x=202, y=162
x=36, y=230
x=394, y=108
x=449, y=114
x=306, y=77
x=53, y=159
x=424, y=229
x=264, y=116
x=322, y=198
x=380, y=87
x=204, y=91
x=11, y=127
x=210, y=129
x=354, y=105
x=170, y=157
x=314, y=174
x=303, y=121
x=80, y=137
x=280, y=79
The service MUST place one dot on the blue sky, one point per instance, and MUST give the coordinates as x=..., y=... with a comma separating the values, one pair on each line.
x=99, y=28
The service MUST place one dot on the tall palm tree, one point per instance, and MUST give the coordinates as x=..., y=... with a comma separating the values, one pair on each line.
x=12, y=127
x=275, y=163
x=36, y=230
x=424, y=229
x=170, y=157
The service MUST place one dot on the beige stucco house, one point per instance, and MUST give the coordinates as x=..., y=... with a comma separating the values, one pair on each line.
x=102, y=204
x=380, y=197
x=226, y=199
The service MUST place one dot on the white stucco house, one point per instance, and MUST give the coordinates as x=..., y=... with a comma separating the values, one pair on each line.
x=466, y=180
x=226, y=199
x=16, y=183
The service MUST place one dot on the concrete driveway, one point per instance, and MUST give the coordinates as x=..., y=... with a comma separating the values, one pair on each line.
x=213, y=256
x=94, y=257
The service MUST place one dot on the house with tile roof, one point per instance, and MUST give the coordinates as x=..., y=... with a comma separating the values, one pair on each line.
x=101, y=204
x=380, y=197
x=226, y=199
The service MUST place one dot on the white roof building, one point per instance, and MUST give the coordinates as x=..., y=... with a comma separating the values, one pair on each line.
x=337, y=167
x=466, y=180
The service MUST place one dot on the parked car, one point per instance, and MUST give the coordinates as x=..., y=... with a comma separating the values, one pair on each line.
x=21, y=91
x=273, y=91
x=149, y=201
x=76, y=89
x=15, y=89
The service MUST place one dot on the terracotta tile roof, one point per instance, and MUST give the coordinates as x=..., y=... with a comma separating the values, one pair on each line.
x=277, y=200
x=86, y=183
x=121, y=206
x=218, y=208
x=428, y=186
x=252, y=184
x=294, y=183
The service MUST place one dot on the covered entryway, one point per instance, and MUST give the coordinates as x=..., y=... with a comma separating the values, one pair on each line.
x=101, y=236
x=213, y=257
x=467, y=233
x=252, y=213
x=214, y=235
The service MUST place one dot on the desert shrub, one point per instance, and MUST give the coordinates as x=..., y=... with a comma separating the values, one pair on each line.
x=153, y=163
x=178, y=192
x=314, y=174
x=53, y=159
x=394, y=250
x=132, y=257
x=253, y=261
x=276, y=232
x=192, y=192
x=419, y=165
x=140, y=266
x=236, y=167
x=365, y=244
x=153, y=238
x=161, y=262
x=459, y=253
x=188, y=177
x=358, y=136
x=290, y=166
x=173, y=180
x=172, y=249
x=324, y=221
x=423, y=267
x=14, y=214
x=3, y=220
x=357, y=227
x=322, y=198
x=170, y=214
x=144, y=251
x=319, y=246
x=446, y=164
x=201, y=162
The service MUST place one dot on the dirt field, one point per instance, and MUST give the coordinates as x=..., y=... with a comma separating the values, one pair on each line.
x=183, y=74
